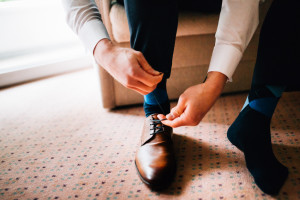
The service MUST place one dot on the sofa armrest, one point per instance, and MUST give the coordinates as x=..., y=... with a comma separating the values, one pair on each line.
x=106, y=81
x=106, y=87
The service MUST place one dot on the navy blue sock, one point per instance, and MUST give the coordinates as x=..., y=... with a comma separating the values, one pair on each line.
x=157, y=101
x=250, y=132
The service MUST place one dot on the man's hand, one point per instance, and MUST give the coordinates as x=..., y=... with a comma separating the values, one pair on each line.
x=195, y=102
x=127, y=66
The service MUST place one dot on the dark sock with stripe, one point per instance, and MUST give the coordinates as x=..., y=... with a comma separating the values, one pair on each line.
x=157, y=101
x=250, y=132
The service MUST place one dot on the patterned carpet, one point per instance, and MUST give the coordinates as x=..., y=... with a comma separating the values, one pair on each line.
x=57, y=143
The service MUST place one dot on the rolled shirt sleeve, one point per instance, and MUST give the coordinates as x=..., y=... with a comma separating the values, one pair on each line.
x=237, y=24
x=84, y=19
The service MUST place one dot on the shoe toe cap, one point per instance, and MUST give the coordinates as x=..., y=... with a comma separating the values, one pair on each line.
x=155, y=168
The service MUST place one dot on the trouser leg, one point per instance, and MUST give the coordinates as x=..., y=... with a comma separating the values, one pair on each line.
x=153, y=26
x=278, y=51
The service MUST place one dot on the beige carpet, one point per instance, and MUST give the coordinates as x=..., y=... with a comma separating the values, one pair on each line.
x=57, y=143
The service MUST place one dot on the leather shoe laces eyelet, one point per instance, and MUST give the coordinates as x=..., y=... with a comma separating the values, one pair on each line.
x=157, y=129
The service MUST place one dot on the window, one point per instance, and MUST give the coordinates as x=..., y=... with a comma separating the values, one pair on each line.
x=35, y=41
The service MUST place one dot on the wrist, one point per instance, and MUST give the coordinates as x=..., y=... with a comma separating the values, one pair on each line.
x=216, y=81
x=101, y=48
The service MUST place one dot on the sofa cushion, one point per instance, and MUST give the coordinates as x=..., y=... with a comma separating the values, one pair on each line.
x=189, y=23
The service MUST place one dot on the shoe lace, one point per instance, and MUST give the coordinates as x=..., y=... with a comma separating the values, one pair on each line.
x=158, y=126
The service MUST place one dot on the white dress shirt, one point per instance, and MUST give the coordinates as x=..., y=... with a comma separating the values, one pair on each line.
x=237, y=24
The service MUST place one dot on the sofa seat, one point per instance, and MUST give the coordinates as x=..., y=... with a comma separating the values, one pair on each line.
x=193, y=48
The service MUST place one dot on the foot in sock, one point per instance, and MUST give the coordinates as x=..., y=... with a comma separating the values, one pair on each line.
x=250, y=132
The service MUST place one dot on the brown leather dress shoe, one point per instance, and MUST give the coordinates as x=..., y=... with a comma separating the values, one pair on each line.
x=155, y=160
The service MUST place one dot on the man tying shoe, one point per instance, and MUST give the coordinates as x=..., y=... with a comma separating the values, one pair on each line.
x=146, y=66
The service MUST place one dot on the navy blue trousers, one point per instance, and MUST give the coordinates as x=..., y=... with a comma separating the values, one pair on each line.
x=278, y=56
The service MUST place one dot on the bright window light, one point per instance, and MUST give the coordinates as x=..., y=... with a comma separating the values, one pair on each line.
x=34, y=32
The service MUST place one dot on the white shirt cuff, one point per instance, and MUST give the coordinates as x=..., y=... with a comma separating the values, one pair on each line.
x=91, y=33
x=225, y=59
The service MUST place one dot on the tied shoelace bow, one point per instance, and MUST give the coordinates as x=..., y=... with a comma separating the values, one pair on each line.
x=156, y=128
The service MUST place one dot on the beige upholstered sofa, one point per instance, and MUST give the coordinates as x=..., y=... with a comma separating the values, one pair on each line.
x=194, y=44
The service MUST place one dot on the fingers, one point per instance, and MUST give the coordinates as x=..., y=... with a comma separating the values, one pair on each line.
x=182, y=120
x=177, y=116
x=161, y=116
x=177, y=110
x=139, y=75
x=145, y=65
x=138, y=90
x=140, y=87
x=187, y=118
x=147, y=74
x=179, y=121
x=147, y=78
x=182, y=114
